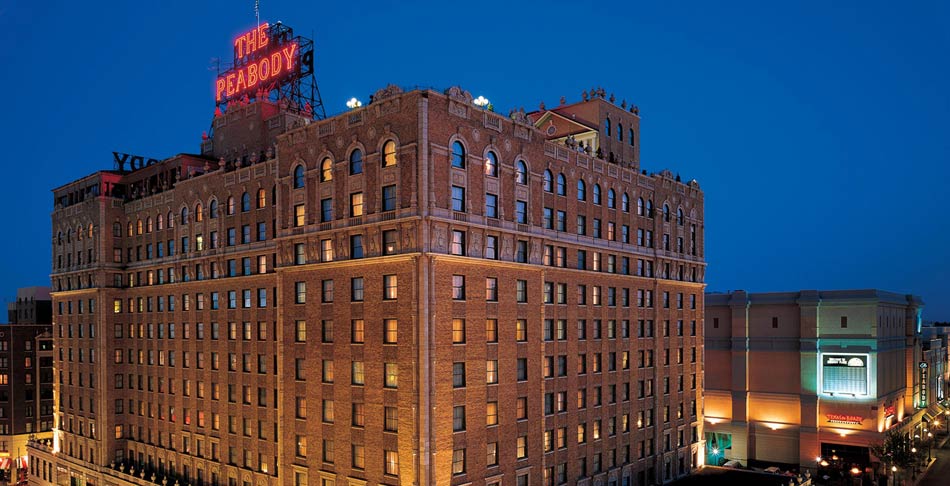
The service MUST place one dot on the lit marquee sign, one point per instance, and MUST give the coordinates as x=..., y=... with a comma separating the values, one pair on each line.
x=845, y=374
x=923, y=384
x=264, y=58
x=841, y=418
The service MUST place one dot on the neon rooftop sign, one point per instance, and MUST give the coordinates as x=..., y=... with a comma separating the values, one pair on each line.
x=262, y=60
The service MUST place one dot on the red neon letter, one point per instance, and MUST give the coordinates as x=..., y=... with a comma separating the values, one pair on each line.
x=251, y=75
x=289, y=53
x=275, y=64
x=241, y=84
x=263, y=69
x=239, y=46
x=230, y=83
x=218, y=88
x=262, y=38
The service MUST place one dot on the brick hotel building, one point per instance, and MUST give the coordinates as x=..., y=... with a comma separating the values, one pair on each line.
x=418, y=291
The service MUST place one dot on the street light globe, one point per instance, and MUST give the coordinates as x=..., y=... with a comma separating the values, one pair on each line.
x=855, y=471
x=818, y=459
x=354, y=103
x=913, y=449
x=481, y=101
x=930, y=435
x=893, y=468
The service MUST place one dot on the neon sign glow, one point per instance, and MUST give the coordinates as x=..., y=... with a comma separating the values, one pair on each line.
x=261, y=60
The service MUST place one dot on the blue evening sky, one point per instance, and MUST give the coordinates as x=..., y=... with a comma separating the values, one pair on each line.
x=818, y=130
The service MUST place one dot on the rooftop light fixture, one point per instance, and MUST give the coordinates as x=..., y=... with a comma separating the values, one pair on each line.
x=354, y=103
x=480, y=102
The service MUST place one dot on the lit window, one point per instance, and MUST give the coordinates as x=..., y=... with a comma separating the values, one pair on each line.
x=390, y=331
x=391, y=375
x=458, y=461
x=458, y=331
x=491, y=371
x=389, y=153
x=390, y=287
x=356, y=204
x=326, y=170
x=299, y=215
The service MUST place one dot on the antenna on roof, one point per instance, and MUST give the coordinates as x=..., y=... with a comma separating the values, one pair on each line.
x=257, y=11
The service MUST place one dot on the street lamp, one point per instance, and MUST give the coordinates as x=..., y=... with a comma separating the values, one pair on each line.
x=930, y=439
x=913, y=450
x=354, y=103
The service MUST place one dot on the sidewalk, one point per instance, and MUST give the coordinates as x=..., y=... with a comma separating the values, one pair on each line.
x=937, y=472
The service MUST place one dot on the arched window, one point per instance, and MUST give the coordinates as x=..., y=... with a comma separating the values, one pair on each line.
x=679, y=216
x=625, y=203
x=213, y=209
x=649, y=208
x=630, y=137
x=138, y=227
x=261, y=198
x=547, y=181
x=666, y=212
x=561, y=185
x=581, y=190
x=79, y=233
x=116, y=231
x=596, y=193
x=298, y=176
x=90, y=228
x=458, y=155
x=230, y=209
x=356, y=162
x=199, y=213
x=148, y=225
x=131, y=229
x=640, y=206
x=611, y=199
x=160, y=221
x=171, y=220
x=59, y=237
x=245, y=202
x=620, y=131
x=389, y=153
x=326, y=170
x=491, y=164
x=184, y=216
x=607, y=126
x=521, y=172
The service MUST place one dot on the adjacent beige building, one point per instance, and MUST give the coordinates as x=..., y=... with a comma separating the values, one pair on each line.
x=794, y=376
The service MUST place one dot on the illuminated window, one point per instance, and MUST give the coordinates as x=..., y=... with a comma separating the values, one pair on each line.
x=491, y=164
x=391, y=375
x=357, y=374
x=458, y=461
x=199, y=213
x=356, y=162
x=298, y=177
x=328, y=378
x=491, y=371
x=390, y=242
x=389, y=153
x=458, y=331
x=491, y=289
x=390, y=287
x=491, y=414
x=390, y=331
x=521, y=330
x=492, y=456
x=326, y=170
x=261, y=198
x=356, y=204
x=391, y=462
x=359, y=459
x=326, y=250
x=491, y=330
x=521, y=450
x=300, y=213
x=458, y=155
x=300, y=331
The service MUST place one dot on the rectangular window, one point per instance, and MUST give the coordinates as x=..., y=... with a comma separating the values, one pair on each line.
x=521, y=212
x=390, y=242
x=326, y=210
x=458, y=243
x=356, y=289
x=299, y=219
x=458, y=287
x=491, y=289
x=390, y=331
x=389, y=198
x=390, y=287
x=356, y=204
x=491, y=206
x=327, y=291
x=357, y=331
x=300, y=296
x=356, y=246
x=458, y=198
x=458, y=331
x=491, y=247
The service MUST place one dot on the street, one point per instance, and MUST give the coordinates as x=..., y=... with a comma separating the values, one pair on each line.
x=939, y=473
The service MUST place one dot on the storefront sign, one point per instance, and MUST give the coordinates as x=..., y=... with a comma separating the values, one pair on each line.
x=844, y=418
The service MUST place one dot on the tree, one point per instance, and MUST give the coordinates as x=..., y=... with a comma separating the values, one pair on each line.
x=895, y=450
